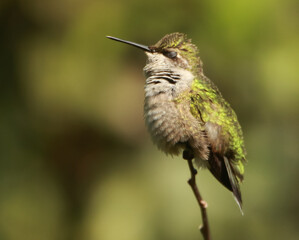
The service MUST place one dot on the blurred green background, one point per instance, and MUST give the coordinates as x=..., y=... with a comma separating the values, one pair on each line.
x=76, y=161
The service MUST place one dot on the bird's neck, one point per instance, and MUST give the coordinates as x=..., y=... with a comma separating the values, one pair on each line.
x=169, y=82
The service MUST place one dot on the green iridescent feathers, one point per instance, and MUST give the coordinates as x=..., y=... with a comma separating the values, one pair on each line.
x=208, y=105
x=223, y=132
x=179, y=41
x=173, y=40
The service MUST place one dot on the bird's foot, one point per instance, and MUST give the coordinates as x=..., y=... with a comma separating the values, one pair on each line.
x=188, y=155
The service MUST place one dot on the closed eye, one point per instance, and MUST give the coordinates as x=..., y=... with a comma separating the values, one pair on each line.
x=170, y=54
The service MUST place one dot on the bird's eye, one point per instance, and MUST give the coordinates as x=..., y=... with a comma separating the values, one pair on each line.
x=171, y=54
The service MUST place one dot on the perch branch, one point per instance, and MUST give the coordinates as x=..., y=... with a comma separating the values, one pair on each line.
x=204, y=228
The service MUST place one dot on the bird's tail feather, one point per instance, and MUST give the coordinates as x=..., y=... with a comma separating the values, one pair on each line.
x=234, y=184
x=222, y=170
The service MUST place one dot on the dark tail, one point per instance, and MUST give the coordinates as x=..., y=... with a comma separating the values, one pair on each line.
x=223, y=172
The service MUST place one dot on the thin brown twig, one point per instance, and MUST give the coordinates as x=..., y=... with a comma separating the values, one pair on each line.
x=204, y=229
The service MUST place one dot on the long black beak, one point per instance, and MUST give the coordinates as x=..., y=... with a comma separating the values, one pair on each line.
x=143, y=47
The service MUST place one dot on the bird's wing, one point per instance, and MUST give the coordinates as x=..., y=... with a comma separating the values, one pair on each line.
x=223, y=133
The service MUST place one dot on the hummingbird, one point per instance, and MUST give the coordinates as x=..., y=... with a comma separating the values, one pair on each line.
x=185, y=111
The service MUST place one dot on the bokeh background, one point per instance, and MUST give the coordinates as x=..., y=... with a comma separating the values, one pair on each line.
x=76, y=162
